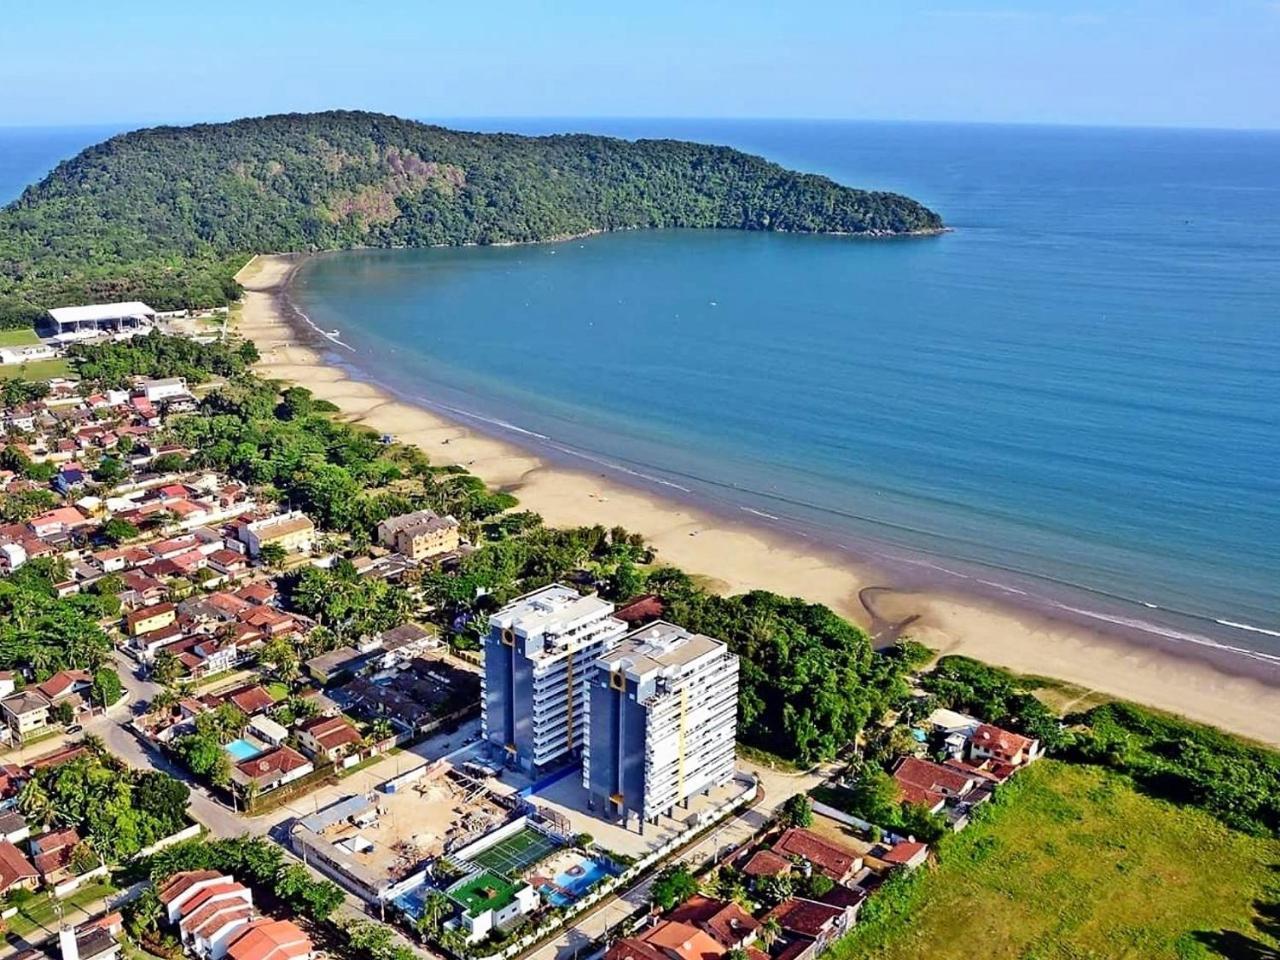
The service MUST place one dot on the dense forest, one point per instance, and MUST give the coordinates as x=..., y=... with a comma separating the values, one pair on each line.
x=169, y=214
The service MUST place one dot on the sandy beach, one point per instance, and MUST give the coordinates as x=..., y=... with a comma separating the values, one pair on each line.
x=735, y=557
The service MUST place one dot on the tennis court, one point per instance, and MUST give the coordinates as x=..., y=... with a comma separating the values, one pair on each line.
x=516, y=853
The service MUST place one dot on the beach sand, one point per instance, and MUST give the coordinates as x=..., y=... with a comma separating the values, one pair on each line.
x=735, y=557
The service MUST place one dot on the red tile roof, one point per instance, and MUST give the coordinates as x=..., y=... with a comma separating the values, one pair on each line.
x=926, y=783
x=766, y=863
x=1002, y=744
x=685, y=941
x=904, y=852
x=180, y=883
x=805, y=917
x=722, y=919
x=282, y=760
x=14, y=867
x=835, y=861
x=630, y=948
x=269, y=940
x=250, y=700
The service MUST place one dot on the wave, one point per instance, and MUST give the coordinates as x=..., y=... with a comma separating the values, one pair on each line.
x=1249, y=627
x=1179, y=635
x=759, y=513
x=334, y=337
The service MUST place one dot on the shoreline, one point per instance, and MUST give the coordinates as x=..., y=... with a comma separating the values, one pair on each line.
x=1208, y=684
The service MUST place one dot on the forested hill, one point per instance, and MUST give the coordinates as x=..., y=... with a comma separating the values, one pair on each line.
x=168, y=214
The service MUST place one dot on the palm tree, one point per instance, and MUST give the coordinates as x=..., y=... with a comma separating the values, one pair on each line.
x=435, y=909
x=770, y=931
x=34, y=802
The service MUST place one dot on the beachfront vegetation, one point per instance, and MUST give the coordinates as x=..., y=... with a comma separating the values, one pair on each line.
x=112, y=364
x=1070, y=861
x=168, y=215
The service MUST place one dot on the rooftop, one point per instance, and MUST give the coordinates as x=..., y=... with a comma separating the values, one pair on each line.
x=101, y=311
x=659, y=648
x=552, y=613
x=485, y=891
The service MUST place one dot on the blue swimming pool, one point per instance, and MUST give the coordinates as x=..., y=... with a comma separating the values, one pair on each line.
x=570, y=884
x=242, y=750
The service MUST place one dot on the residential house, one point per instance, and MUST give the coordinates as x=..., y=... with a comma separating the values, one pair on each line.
x=14, y=827
x=933, y=785
x=150, y=618
x=820, y=923
x=335, y=664
x=68, y=686
x=16, y=871
x=272, y=770
x=26, y=713
x=725, y=921
x=96, y=940
x=328, y=739
x=52, y=854
x=907, y=854
x=270, y=940
x=249, y=700
x=992, y=743
x=837, y=863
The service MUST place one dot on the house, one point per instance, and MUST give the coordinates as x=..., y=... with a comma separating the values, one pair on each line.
x=268, y=731
x=328, y=739
x=67, y=685
x=725, y=921
x=407, y=641
x=992, y=743
x=766, y=863
x=272, y=770
x=209, y=917
x=681, y=941
x=8, y=683
x=906, y=853
x=820, y=922
x=229, y=563
x=150, y=618
x=181, y=887
x=932, y=785
x=167, y=388
x=328, y=667
x=249, y=700
x=52, y=854
x=837, y=863
x=61, y=520
x=96, y=940
x=16, y=871
x=270, y=940
x=14, y=827
x=27, y=713
x=293, y=532
x=420, y=535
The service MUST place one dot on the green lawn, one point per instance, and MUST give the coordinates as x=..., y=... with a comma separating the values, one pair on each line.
x=20, y=337
x=36, y=369
x=1073, y=863
x=278, y=691
x=487, y=891
x=40, y=912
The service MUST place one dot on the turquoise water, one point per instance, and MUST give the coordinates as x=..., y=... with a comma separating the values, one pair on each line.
x=1073, y=400
x=565, y=887
x=1077, y=388
x=242, y=750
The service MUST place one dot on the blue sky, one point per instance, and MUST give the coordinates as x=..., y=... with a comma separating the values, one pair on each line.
x=1140, y=62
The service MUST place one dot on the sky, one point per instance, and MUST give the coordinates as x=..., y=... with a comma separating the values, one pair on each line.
x=1124, y=62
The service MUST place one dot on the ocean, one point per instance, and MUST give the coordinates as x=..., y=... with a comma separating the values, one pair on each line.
x=1071, y=400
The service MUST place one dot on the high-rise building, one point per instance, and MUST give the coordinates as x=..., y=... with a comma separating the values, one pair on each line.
x=537, y=659
x=663, y=710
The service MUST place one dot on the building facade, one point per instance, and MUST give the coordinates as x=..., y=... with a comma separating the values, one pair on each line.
x=662, y=715
x=538, y=656
x=420, y=535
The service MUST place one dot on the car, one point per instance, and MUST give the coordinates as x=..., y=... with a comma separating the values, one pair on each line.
x=75, y=728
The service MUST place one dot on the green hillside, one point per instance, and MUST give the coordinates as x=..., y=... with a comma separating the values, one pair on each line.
x=168, y=214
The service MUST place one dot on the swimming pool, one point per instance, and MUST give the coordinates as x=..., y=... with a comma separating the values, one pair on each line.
x=242, y=750
x=572, y=882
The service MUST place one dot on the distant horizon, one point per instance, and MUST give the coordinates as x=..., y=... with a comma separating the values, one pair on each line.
x=129, y=125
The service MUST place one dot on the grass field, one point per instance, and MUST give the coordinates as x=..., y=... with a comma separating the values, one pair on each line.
x=36, y=369
x=22, y=337
x=517, y=852
x=1073, y=863
x=488, y=891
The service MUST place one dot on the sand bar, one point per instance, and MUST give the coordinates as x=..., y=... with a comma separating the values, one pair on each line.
x=736, y=556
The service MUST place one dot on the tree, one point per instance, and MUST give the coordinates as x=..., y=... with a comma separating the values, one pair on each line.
x=107, y=688
x=770, y=931
x=673, y=885
x=117, y=531
x=273, y=555
x=773, y=890
x=435, y=910
x=34, y=802
x=110, y=471
x=797, y=811
x=166, y=668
